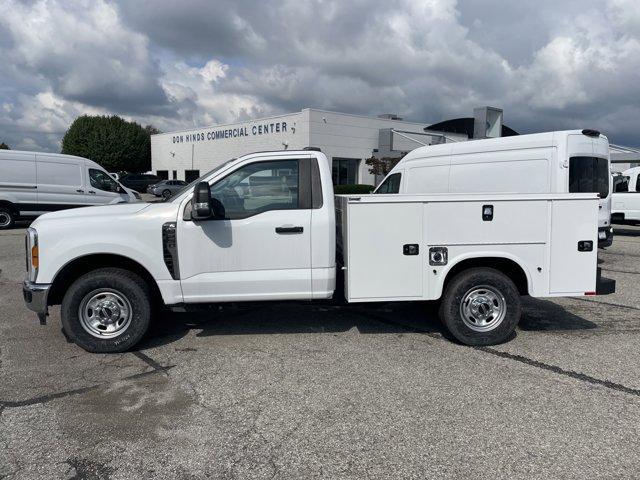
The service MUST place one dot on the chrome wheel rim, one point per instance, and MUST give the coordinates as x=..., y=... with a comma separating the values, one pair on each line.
x=105, y=313
x=166, y=194
x=483, y=308
x=5, y=219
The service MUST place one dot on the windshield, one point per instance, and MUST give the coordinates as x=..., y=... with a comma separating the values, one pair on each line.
x=198, y=180
x=390, y=185
x=589, y=175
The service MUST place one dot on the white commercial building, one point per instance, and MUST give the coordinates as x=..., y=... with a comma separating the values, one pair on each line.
x=347, y=141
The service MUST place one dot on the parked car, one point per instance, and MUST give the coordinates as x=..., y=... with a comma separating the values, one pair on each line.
x=626, y=196
x=263, y=227
x=139, y=181
x=552, y=162
x=32, y=183
x=166, y=188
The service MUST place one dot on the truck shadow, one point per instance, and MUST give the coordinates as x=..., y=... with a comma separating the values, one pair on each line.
x=293, y=318
x=544, y=315
x=373, y=318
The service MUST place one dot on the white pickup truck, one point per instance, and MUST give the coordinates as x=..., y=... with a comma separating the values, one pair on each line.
x=263, y=227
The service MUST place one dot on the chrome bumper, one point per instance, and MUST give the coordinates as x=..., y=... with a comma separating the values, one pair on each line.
x=35, y=297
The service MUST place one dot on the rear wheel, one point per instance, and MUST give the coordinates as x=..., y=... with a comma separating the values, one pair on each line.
x=107, y=310
x=7, y=217
x=481, y=306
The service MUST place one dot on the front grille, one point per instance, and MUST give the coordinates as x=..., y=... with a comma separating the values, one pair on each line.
x=170, y=249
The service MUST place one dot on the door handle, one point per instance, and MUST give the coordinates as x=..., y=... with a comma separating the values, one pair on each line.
x=80, y=190
x=284, y=230
x=92, y=192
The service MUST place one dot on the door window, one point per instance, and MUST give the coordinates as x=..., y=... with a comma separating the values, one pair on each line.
x=390, y=185
x=257, y=188
x=620, y=184
x=589, y=175
x=102, y=181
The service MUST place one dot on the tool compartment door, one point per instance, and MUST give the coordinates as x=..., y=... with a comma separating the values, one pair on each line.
x=378, y=268
x=573, y=271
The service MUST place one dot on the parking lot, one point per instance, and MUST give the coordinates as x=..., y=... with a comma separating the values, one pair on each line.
x=298, y=390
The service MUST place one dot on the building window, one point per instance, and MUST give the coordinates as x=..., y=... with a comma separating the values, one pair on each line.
x=345, y=171
x=191, y=175
x=175, y=175
x=163, y=174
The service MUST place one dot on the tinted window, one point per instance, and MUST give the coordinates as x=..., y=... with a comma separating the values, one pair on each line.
x=102, y=181
x=344, y=171
x=589, y=175
x=620, y=184
x=390, y=185
x=257, y=188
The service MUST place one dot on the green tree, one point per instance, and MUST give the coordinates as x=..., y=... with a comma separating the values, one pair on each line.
x=112, y=142
x=4, y=146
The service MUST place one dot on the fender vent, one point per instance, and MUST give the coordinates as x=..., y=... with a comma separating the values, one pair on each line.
x=170, y=249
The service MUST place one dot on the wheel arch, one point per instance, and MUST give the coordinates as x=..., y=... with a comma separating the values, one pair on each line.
x=87, y=263
x=510, y=266
x=10, y=205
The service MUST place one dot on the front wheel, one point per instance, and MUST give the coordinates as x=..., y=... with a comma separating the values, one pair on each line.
x=481, y=306
x=107, y=310
x=166, y=194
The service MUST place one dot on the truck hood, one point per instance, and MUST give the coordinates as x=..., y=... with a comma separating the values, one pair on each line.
x=119, y=209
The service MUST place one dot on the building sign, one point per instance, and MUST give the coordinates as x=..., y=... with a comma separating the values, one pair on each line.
x=244, y=131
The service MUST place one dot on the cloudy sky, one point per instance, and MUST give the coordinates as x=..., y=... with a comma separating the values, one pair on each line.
x=551, y=64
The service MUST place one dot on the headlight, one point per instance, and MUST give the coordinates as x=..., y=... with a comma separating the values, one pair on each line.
x=33, y=254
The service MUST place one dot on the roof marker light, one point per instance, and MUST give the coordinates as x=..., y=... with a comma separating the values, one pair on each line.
x=590, y=133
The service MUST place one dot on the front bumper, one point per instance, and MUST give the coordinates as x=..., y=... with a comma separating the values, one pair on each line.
x=607, y=233
x=604, y=286
x=35, y=298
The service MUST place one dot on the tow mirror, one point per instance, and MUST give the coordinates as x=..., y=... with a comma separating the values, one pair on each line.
x=201, y=202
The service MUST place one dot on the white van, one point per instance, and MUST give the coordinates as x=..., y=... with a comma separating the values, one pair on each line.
x=32, y=183
x=575, y=161
x=626, y=196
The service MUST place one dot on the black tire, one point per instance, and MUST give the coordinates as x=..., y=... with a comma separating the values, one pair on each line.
x=476, y=279
x=166, y=194
x=7, y=218
x=134, y=290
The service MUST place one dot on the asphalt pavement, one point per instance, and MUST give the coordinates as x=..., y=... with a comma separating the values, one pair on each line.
x=301, y=390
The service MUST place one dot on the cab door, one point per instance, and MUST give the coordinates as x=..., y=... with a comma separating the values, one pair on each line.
x=260, y=246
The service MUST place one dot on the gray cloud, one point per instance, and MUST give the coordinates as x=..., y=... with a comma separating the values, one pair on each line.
x=550, y=65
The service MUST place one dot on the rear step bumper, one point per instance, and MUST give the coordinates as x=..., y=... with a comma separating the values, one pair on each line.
x=604, y=286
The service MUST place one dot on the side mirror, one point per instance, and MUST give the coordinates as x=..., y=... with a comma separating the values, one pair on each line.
x=201, y=202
